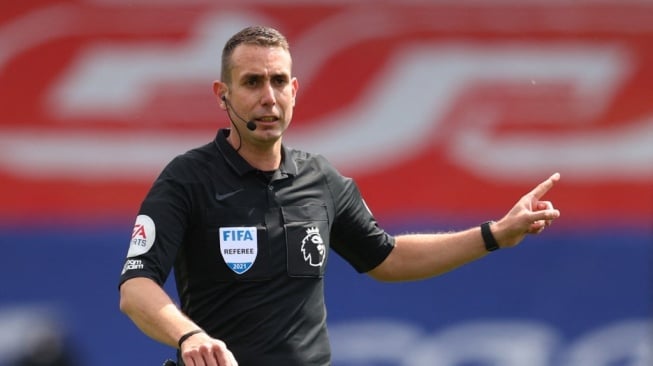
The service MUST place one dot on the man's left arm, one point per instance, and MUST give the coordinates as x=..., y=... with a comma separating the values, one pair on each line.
x=419, y=256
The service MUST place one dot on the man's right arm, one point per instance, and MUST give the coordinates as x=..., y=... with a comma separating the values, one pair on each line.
x=153, y=311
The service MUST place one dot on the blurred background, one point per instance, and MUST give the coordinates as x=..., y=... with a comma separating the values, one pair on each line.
x=445, y=112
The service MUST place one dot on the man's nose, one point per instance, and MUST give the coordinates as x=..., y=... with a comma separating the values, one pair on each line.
x=267, y=95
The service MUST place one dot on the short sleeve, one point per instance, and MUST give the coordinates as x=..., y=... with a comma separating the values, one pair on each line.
x=159, y=228
x=355, y=235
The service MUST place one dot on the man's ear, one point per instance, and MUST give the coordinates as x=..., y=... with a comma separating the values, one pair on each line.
x=295, y=87
x=220, y=91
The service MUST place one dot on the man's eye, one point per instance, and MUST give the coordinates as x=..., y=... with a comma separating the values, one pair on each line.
x=280, y=81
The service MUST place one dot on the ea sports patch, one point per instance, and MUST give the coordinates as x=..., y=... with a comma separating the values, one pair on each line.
x=238, y=246
x=142, y=237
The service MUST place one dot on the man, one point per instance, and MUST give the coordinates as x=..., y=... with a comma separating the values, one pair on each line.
x=247, y=222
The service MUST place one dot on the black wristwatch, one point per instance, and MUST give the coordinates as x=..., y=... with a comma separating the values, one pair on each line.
x=489, y=240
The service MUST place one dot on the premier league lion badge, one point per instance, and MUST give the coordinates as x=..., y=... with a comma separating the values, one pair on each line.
x=313, y=247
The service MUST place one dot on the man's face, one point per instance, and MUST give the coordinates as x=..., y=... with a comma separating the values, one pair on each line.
x=261, y=90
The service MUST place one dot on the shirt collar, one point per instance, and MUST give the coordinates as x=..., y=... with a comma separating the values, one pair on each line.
x=241, y=166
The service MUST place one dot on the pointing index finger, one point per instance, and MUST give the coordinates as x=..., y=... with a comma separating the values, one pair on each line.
x=544, y=187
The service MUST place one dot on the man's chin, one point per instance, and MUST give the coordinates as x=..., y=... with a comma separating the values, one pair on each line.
x=268, y=136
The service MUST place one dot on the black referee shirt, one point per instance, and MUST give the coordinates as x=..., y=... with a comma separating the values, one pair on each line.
x=249, y=248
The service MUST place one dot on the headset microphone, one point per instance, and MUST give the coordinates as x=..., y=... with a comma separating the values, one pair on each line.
x=251, y=125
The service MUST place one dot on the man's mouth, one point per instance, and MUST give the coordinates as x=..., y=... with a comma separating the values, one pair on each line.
x=267, y=119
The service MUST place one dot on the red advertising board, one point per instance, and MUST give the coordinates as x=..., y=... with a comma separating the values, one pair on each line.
x=437, y=109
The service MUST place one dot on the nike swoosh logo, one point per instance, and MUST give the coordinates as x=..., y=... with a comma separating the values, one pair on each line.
x=221, y=197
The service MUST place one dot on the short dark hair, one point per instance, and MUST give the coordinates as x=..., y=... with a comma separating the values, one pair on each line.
x=254, y=35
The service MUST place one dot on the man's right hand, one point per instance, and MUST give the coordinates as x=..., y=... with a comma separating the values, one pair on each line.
x=202, y=350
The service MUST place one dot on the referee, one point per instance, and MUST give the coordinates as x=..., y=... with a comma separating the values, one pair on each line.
x=247, y=224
